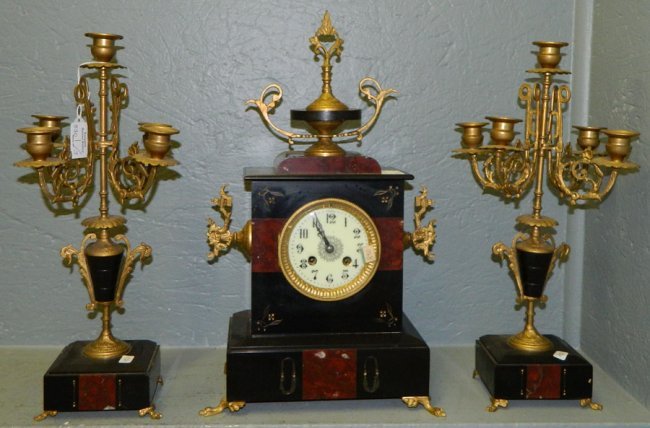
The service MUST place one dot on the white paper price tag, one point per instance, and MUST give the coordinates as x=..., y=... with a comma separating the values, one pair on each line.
x=78, y=137
x=126, y=359
x=369, y=253
x=560, y=355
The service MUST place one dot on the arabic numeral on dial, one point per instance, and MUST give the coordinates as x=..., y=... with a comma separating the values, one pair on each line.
x=357, y=233
x=330, y=218
x=345, y=274
x=329, y=278
x=303, y=263
x=300, y=248
x=315, y=272
x=355, y=264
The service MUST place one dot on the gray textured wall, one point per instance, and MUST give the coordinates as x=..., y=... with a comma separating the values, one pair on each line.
x=193, y=64
x=615, y=311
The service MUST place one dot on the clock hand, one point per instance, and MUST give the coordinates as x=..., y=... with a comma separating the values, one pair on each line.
x=319, y=227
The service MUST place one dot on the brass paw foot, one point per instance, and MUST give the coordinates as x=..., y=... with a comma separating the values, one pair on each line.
x=160, y=381
x=591, y=404
x=495, y=404
x=151, y=411
x=45, y=414
x=412, y=402
x=474, y=374
x=233, y=406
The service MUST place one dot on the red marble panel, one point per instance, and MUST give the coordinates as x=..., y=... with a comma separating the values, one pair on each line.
x=97, y=392
x=543, y=381
x=329, y=374
x=391, y=231
x=351, y=163
x=264, y=254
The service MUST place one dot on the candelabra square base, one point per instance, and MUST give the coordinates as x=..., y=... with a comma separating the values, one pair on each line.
x=512, y=374
x=76, y=383
x=267, y=368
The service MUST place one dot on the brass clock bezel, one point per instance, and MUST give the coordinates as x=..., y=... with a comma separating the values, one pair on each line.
x=348, y=289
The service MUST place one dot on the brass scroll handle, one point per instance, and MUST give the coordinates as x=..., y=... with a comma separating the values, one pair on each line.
x=423, y=237
x=220, y=238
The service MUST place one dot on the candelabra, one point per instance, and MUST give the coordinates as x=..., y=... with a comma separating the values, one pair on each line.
x=580, y=174
x=66, y=173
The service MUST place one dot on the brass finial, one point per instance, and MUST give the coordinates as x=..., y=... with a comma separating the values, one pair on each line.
x=325, y=36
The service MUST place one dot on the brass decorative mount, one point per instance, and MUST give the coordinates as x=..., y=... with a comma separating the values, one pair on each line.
x=220, y=238
x=66, y=175
x=511, y=170
x=423, y=237
x=326, y=114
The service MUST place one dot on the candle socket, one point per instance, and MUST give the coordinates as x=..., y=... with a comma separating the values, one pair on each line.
x=618, y=144
x=549, y=54
x=103, y=48
x=157, y=139
x=503, y=130
x=588, y=137
x=472, y=134
x=39, y=141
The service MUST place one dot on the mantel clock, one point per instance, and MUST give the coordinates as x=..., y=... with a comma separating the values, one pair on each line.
x=325, y=242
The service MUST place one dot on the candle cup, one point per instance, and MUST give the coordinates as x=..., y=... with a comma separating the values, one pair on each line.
x=618, y=144
x=157, y=139
x=103, y=48
x=549, y=55
x=588, y=137
x=50, y=121
x=39, y=141
x=472, y=134
x=503, y=130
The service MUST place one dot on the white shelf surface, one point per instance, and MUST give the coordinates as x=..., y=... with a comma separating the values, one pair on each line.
x=194, y=379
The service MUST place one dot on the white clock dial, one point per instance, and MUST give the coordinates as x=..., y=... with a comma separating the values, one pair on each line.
x=329, y=249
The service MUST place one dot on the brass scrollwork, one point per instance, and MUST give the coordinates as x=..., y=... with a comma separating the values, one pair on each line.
x=423, y=237
x=220, y=238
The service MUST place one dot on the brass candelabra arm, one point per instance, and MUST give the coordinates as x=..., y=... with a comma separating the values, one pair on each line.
x=220, y=238
x=422, y=238
x=141, y=252
x=69, y=255
x=586, y=175
x=498, y=166
x=129, y=178
x=61, y=178
x=133, y=176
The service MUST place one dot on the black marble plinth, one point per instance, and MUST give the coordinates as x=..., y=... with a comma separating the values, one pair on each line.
x=512, y=374
x=75, y=382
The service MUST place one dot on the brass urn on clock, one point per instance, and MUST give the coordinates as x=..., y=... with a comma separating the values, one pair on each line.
x=325, y=242
x=106, y=373
x=529, y=365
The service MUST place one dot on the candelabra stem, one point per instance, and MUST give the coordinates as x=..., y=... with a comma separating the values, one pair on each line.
x=529, y=339
x=106, y=345
x=542, y=123
x=103, y=116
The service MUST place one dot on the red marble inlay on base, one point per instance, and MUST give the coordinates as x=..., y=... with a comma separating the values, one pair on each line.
x=351, y=163
x=97, y=392
x=543, y=381
x=329, y=374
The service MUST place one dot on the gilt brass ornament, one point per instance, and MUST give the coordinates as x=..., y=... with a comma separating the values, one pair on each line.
x=66, y=169
x=578, y=175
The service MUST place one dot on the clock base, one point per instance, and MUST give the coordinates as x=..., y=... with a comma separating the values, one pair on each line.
x=326, y=366
x=512, y=374
x=76, y=383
